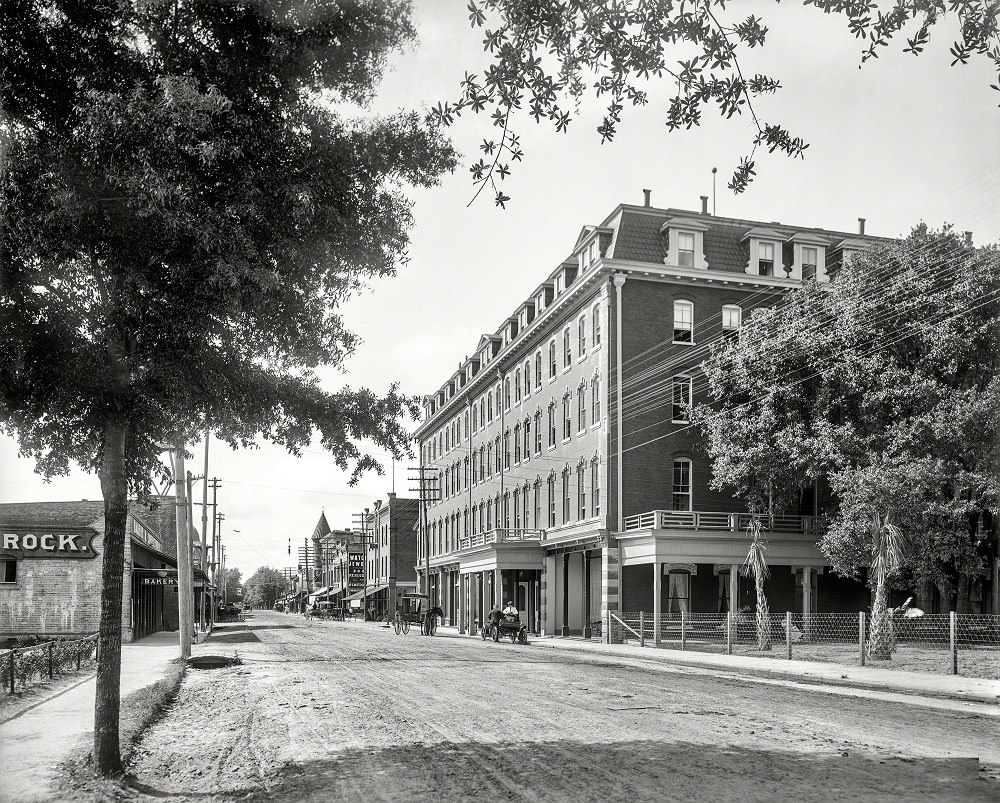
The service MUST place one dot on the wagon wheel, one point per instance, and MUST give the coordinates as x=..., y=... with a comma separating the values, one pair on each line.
x=406, y=627
x=513, y=636
x=396, y=625
x=432, y=626
x=496, y=632
x=483, y=631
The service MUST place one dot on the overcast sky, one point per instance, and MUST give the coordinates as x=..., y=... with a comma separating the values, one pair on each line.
x=900, y=141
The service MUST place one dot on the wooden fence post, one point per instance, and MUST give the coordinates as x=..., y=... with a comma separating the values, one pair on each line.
x=953, y=643
x=13, y=657
x=52, y=644
x=642, y=629
x=683, y=630
x=79, y=650
x=729, y=633
x=788, y=634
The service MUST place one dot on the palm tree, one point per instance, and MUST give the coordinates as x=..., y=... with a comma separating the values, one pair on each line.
x=887, y=559
x=756, y=565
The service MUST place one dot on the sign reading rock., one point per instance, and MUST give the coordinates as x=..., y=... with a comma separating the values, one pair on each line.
x=78, y=544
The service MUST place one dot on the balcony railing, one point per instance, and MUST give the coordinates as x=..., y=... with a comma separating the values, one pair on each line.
x=499, y=536
x=732, y=522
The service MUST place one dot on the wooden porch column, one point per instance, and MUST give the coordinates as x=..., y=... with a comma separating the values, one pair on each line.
x=586, y=593
x=657, y=600
x=734, y=587
x=807, y=590
x=565, y=590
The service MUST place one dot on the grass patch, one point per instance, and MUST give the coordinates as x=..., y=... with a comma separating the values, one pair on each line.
x=139, y=710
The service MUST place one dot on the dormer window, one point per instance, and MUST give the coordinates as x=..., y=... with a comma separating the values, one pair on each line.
x=685, y=243
x=765, y=252
x=809, y=257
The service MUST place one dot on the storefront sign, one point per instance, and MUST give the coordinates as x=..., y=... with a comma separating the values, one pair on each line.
x=355, y=570
x=159, y=581
x=50, y=545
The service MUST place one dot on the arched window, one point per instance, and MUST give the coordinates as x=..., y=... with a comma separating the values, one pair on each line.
x=489, y=460
x=489, y=405
x=681, y=489
x=581, y=335
x=581, y=407
x=517, y=385
x=506, y=449
x=538, y=369
x=552, y=358
x=489, y=514
x=527, y=438
x=551, y=490
x=567, y=417
x=565, y=495
x=517, y=443
x=496, y=444
x=581, y=492
x=552, y=424
x=475, y=409
x=506, y=393
x=538, y=431
x=595, y=400
x=567, y=349
x=597, y=325
x=527, y=379
x=517, y=509
x=683, y=322
x=595, y=486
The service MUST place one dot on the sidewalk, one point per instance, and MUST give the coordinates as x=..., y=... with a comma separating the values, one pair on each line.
x=34, y=742
x=923, y=684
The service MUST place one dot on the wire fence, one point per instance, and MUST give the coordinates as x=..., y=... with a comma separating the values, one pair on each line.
x=22, y=666
x=966, y=644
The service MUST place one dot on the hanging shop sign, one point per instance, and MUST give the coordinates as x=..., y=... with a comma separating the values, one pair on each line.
x=24, y=544
x=159, y=581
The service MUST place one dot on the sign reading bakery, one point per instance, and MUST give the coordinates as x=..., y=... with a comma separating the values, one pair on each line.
x=74, y=544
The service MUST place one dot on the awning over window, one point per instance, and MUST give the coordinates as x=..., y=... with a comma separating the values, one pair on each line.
x=325, y=593
x=362, y=593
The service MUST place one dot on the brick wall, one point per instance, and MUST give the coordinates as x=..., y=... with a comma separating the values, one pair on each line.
x=647, y=348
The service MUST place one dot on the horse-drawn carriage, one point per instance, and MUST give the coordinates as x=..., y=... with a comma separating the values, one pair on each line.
x=416, y=609
x=509, y=626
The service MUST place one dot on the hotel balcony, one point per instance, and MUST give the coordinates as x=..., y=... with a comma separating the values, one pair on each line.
x=720, y=522
x=502, y=536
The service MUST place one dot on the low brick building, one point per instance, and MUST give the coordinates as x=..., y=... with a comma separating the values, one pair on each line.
x=51, y=556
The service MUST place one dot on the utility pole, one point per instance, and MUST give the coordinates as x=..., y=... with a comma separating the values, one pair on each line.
x=361, y=519
x=185, y=584
x=216, y=529
x=204, y=537
x=224, y=583
x=428, y=491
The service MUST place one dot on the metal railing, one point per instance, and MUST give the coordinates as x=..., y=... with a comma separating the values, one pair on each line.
x=949, y=643
x=498, y=536
x=44, y=660
x=708, y=520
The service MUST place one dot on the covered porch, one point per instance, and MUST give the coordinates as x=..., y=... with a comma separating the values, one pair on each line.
x=689, y=562
x=496, y=567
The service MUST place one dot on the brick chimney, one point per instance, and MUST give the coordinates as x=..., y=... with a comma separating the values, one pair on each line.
x=646, y=193
x=861, y=225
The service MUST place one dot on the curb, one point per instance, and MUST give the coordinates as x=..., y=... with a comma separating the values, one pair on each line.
x=783, y=674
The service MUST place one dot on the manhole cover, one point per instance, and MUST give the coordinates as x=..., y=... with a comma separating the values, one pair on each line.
x=210, y=661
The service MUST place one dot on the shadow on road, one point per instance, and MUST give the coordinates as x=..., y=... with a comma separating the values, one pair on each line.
x=636, y=770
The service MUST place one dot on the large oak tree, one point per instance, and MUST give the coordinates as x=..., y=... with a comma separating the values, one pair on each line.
x=189, y=191
x=885, y=383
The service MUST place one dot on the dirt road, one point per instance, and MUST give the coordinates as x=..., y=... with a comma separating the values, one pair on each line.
x=333, y=711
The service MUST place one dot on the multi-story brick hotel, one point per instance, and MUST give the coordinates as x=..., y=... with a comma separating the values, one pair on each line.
x=570, y=478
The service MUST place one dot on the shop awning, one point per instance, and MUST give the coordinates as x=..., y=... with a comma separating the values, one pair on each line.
x=329, y=591
x=362, y=593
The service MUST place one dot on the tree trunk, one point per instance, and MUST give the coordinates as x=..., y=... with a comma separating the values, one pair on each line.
x=880, y=635
x=962, y=601
x=107, y=752
x=763, y=615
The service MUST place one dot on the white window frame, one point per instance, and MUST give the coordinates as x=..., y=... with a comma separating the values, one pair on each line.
x=729, y=331
x=680, y=463
x=685, y=385
x=681, y=304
